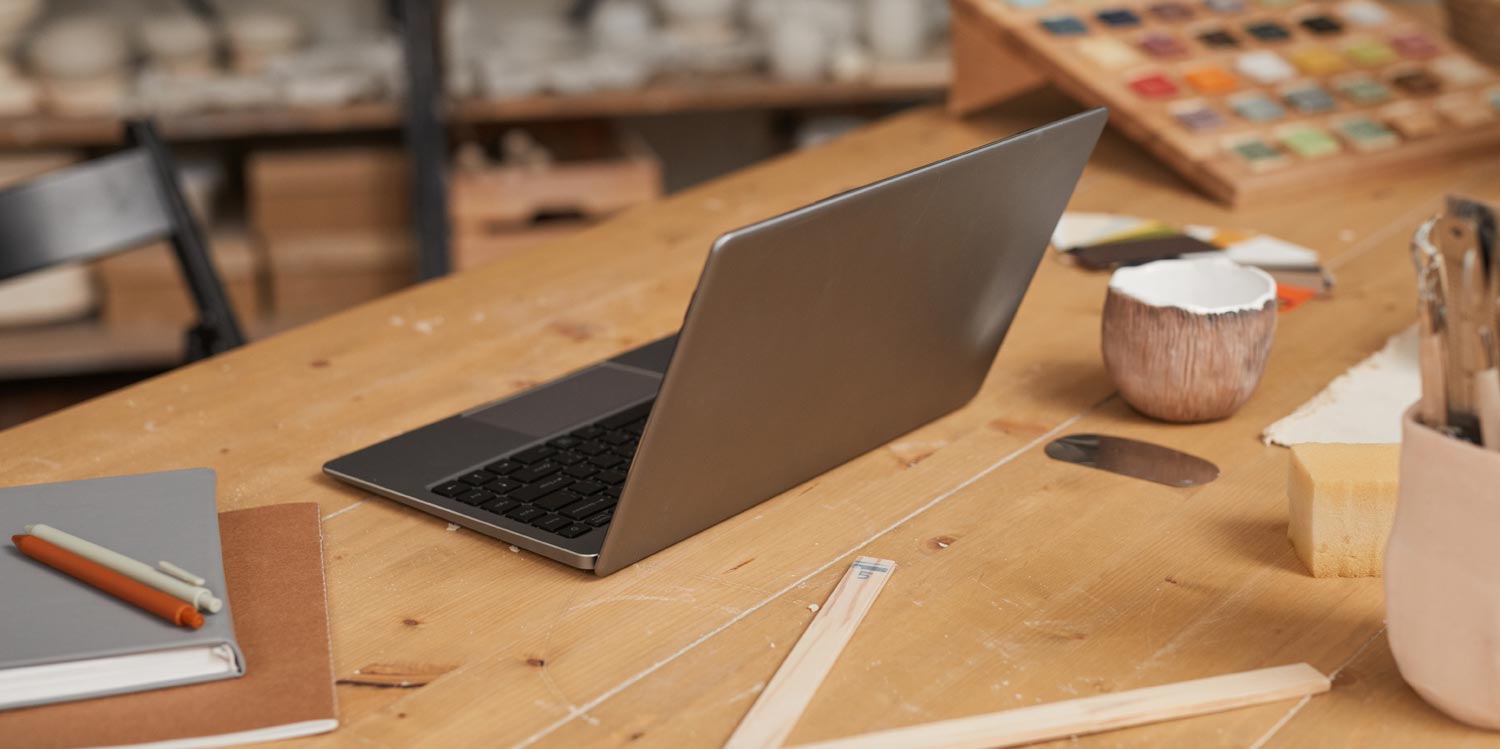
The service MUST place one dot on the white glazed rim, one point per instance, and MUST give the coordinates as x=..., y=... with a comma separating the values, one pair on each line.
x=1202, y=286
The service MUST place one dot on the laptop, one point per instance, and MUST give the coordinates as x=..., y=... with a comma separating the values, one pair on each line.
x=813, y=337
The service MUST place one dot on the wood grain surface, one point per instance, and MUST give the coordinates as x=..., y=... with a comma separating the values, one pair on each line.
x=1023, y=580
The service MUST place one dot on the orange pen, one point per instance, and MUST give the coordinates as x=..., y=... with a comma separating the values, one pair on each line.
x=177, y=612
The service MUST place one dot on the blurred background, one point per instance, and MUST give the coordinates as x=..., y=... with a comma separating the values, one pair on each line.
x=335, y=151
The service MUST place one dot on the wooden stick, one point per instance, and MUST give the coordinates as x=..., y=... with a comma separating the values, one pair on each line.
x=1105, y=712
x=781, y=703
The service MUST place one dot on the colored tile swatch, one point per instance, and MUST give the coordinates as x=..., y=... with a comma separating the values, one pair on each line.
x=1264, y=66
x=1257, y=108
x=1322, y=25
x=1158, y=44
x=1365, y=13
x=1258, y=154
x=1107, y=52
x=1154, y=86
x=1417, y=81
x=1218, y=38
x=1310, y=100
x=1211, y=80
x=1172, y=11
x=1414, y=45
x=1308, y=141
x=1198, y=116
x=1317, y=61
x=1268, y=31
x=1465, y=110
x=1064, y=25
x=1225, y=6
x=1363, y=90
x=1027, y=3
x=1460, y=71
x=1118, y=17
x=1365, y=134
x=1411, y=121
x=1370, y=53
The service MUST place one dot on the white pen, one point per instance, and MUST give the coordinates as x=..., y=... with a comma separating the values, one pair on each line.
x=141, y=572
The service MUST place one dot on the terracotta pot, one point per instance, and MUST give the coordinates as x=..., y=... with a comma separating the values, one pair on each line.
x=1187, y=340
x=1442, y=593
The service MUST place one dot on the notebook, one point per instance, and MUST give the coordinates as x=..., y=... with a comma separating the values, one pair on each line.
x=273, y=559
x=71, y=641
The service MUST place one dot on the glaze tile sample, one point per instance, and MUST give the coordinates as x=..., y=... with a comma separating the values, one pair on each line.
x=1460, y=71
x=1197, y=116
x=1317, y=60
x=1414, y=45
x=1257, y=107
x=1027, y=3
x=1258, y=154
x=1309, y=99
x=1370, y=53
x=1107, y=52
x=1264, y=66
x=1172, y=11
x=1225, y=6
x=1154, y=86
x=1411, y=120
x=1364, y=13
x=1064, y=25
x=1268, y=31
x=1322, y=24
x=1308, y=141
x=1159, y=44
x=1365, y=134
x=1211, y=79
x=1417, y=81
x=1362, y=89
x=1118, y=18
x=1218, y=38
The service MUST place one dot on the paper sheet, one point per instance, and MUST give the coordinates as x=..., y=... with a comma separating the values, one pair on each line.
x=1364, y=405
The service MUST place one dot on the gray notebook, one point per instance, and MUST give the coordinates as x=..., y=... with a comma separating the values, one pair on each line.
x=61, y=639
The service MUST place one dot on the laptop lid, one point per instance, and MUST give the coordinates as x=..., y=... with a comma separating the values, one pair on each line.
x=822, y=333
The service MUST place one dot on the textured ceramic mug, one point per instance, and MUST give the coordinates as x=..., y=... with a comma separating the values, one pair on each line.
x=1442, y=574
x=1187, y=340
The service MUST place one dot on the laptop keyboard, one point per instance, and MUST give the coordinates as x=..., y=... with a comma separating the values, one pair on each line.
x=566, y=486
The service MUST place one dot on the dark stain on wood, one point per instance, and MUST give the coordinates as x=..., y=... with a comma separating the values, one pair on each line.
x=318, y=363
x=573, y=330
x=411, y=622
x=938, y=543
x=536, y=662
x=741, y=564
x=394, y=676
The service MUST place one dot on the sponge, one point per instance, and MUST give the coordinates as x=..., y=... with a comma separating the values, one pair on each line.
x=1342, y=502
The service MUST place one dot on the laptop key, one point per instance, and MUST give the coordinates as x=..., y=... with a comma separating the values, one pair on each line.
x=476, y=497
x=500, y=506
x=573, y=530
x=502, y=486
x=613, y=491
x=536, y=472
x=586, y=488
x=537, y=491
x=581, y=471
x=587, y=433
x=602, y=518
x=556, y=501
x=592, y=507
x=504, y=467
x=534, y=455
x=617, y=438
x=477, y=478
x=565, y=443
x=526, y=514
x=592, y=447
x=567, y=458
x=608, y=460
x=451, y=489
x=551, y=523
x=611, y=477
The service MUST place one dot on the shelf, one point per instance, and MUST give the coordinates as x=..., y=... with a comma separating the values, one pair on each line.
x=696, y=94
x=51, y=131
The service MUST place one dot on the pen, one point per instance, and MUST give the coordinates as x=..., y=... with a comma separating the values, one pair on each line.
x=141, y=572
x=109, y=581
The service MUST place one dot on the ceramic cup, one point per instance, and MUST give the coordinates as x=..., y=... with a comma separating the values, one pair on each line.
x=1187, y=340
x=1442, y=596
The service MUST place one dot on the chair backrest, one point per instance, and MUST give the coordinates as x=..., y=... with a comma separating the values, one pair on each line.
x=118, y=202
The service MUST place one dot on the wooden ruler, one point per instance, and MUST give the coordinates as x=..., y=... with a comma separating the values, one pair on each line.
x=1105, y=712
x=781, y=703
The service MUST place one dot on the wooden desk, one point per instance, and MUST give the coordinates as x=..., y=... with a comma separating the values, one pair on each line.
x=1022, y=580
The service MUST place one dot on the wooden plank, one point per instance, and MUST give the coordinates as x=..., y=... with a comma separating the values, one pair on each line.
x=776, y=711
x=1106, y=712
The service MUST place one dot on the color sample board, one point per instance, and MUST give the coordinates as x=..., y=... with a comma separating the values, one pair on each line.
x=1251, y=99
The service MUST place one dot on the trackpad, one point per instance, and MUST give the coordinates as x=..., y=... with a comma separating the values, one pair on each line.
x=586, y=396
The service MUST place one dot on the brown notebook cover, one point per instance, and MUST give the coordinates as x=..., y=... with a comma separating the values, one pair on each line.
x=273, y=567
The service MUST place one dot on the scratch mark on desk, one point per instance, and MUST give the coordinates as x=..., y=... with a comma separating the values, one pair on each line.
x=631, y=681
x=1297, y=708
x=617, y=599
x=341, y=511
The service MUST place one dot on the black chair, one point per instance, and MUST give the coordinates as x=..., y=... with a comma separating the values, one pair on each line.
x=118, y=202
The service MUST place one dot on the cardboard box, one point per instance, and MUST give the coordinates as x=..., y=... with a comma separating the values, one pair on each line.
x=146, y=285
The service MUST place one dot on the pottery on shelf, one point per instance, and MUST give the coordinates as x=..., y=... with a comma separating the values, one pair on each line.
x=622, y=25
x=81, y=47
x=898, y=29
x=799, y=49
x=1187, y=340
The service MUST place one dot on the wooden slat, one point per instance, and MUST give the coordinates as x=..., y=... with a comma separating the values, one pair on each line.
x=1106, y=712
x=778, y=707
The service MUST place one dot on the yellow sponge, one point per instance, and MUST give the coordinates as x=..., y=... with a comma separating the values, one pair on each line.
x=1342, y=500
